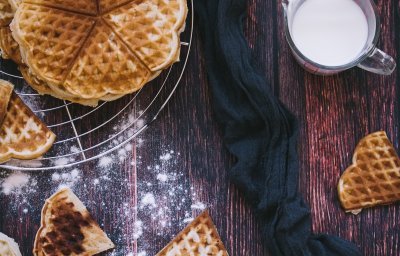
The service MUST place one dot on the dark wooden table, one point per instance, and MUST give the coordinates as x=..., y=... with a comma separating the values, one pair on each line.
x=334, y=112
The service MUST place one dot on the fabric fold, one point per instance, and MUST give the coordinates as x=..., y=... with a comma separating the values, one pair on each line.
x=261, y=133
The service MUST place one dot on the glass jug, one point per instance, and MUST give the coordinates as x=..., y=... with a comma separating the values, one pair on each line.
x=371, y=58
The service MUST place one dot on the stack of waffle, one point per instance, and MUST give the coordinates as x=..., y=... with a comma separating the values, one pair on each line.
x=90, y=50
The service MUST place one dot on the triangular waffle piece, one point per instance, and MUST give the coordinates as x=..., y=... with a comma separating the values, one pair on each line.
x=97, y=73
x=14, y=4
x=6, y=89
x=77, y=6
x=6, y=13
x=22, y=134
x=49, y=39
x=374, y=177
x=67, y=228
x=199, y=238
x=9, y=47
x=151, y=29
x=8, y=247
x=107, y=5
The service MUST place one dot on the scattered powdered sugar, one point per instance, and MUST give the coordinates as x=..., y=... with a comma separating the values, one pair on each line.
x=75, y=149
x=15, y=183
x=162, y=177
x=167, y=156
x=198, y=206
x=62, y=161
x=105, y=161
x=66, y=178
x=138, y=229
x=152, y=195
x=148, y=201
x=187, y=220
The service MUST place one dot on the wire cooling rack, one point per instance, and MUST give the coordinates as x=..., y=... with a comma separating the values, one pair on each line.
x=85, y=133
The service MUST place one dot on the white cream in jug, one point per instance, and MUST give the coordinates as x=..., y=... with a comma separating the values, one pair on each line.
x=330, y=32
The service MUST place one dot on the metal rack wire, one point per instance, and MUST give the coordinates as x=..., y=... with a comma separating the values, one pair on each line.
x=85, y=134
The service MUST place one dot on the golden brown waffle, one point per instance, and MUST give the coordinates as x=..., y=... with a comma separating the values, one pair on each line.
x=156, y=42
x=94, y=75
x=6, y=90
x=14, y=4
x=6, y=13
x=374, y=177
x=9, y=47
x=67, y=228
x=49, y=39
x=199, y=238
x=77, y=6
x=22, y=134
x=107, y=5
x=43, y=89
x=96, y=56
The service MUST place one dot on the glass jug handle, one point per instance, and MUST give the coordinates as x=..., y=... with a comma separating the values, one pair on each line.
x=378, y=62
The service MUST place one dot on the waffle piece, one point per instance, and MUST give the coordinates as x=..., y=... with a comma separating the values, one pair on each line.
x=9, y=47
x=43, y=89
x=6, y=90
x=95, y=74
x=49, y=39
x=77, y=6
x=22, y=134
x=67, y=228
x=14, y=4
x=373, y=178
x=80, y=56
x=107, y=5
x=6, y=13
x=199, y=238
x=151, y=29
x=8, y=247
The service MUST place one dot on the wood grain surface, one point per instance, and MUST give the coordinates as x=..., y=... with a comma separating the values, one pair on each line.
x=334, y=112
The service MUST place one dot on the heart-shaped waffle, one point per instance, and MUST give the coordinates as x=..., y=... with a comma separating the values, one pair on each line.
x=374, y=177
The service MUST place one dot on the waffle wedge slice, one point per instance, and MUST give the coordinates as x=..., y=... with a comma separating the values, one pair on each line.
x=199, y=238
x=14, y=4
x=8, y=247
x=49, y=39
x=88, y=7
x=22, y=134
x=95, y=74
x=67, y=228
x=151, y=29
x=9, y=47
x=6, y=89
x=6, y=13
x=373, y=178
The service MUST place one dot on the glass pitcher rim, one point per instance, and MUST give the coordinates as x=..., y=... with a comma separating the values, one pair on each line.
x=364, y=54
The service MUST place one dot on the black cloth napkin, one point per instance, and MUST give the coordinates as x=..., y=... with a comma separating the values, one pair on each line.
x=261, y=133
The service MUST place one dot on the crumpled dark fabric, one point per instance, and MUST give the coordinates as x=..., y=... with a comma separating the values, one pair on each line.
x=261, y=133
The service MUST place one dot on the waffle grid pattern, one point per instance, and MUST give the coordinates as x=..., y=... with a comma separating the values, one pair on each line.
x=23, y=135
x=199, y=238
x=374, y=177
x=148, y=111
x=60, y=45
